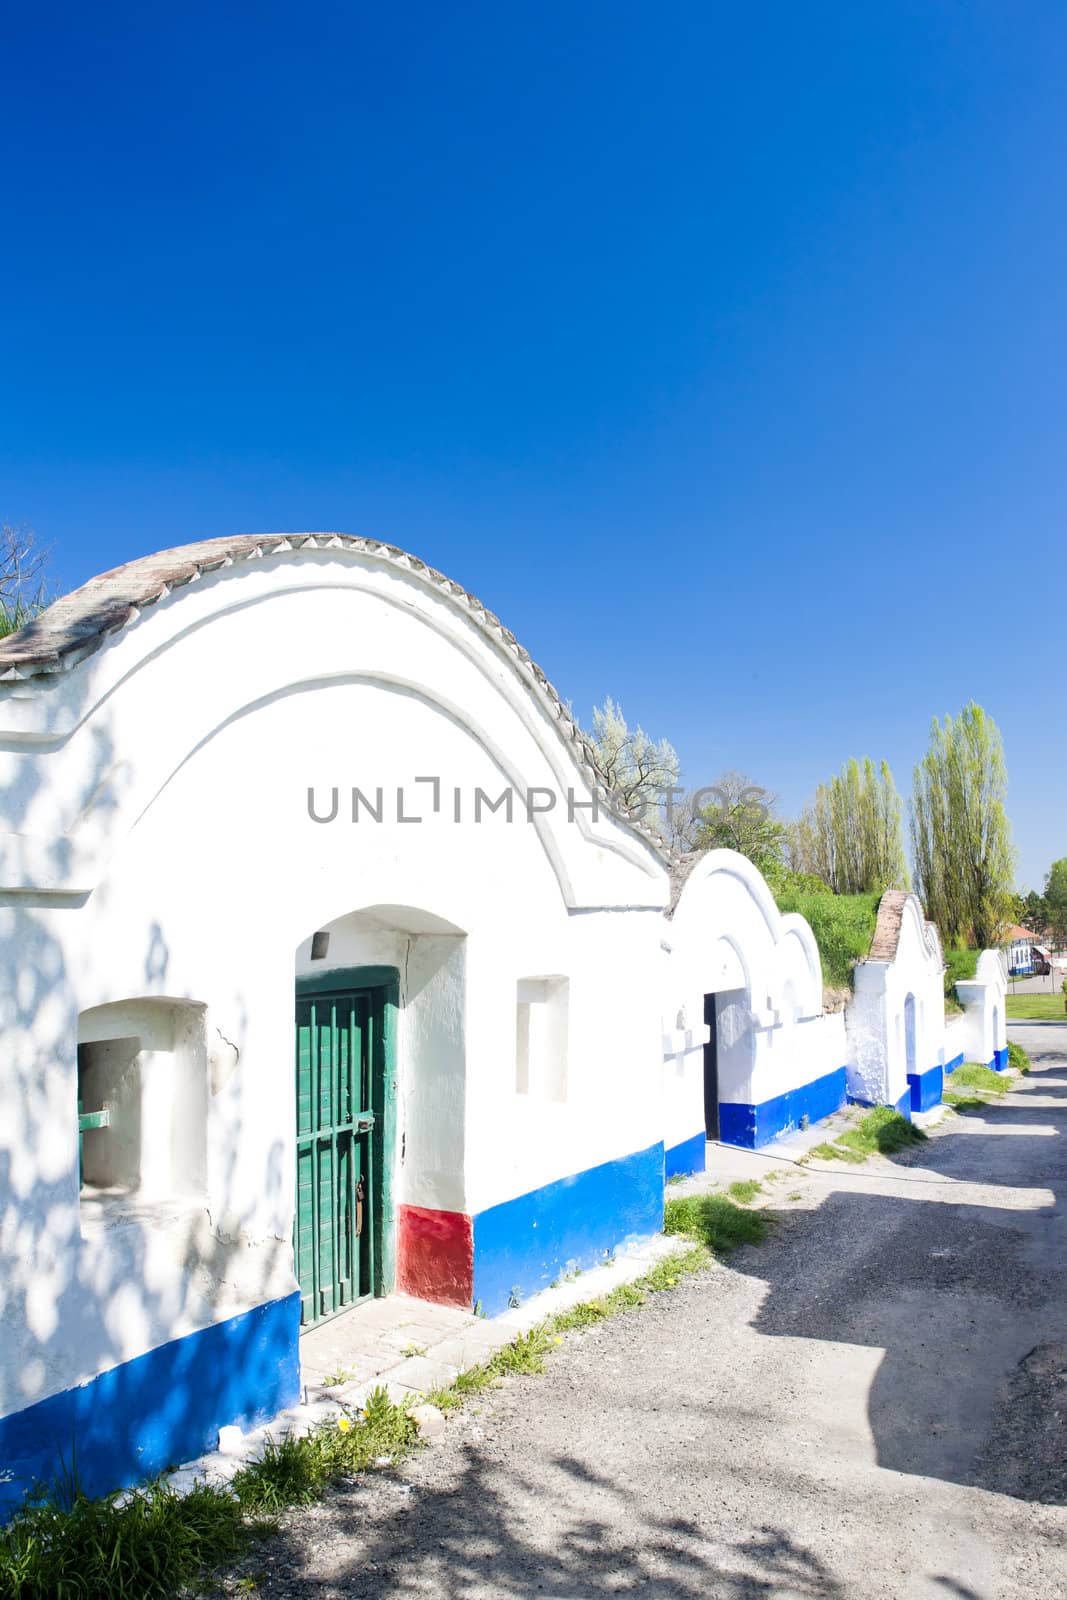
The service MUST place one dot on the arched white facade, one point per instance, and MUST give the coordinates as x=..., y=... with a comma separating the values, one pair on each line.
x=162, y=873
x=310, y=897
x=778, y=1059
x=896, y=1017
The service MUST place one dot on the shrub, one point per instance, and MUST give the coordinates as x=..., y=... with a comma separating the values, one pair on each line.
x=959, y=966
x=843, y=925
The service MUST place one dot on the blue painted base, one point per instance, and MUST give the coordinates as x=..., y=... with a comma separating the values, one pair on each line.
x=522, y=1245
x=158, y=1410
x=1000, y=1060
x=957, y=1061
x=753, y=1126
x=925, y=1088
x=903, y=1105
x=689, y=1156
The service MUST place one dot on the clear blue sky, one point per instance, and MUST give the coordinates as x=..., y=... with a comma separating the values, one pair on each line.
x=721, y=349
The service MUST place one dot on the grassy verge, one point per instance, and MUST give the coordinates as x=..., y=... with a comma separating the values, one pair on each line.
x=1035, y=1008
x=882, y=1130
x=151, y=1543
x=981, y=1084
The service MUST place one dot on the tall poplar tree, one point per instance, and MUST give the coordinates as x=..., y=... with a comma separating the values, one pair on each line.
x=851, y=834
x=964, y=861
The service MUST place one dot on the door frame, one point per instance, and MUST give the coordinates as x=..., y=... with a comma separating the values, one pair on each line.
x=385, y=982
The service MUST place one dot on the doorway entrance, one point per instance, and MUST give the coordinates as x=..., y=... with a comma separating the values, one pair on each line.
x=340, y=1139
x=711, y=1069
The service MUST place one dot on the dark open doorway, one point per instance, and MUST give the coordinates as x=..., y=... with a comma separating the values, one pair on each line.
x=711, y=1069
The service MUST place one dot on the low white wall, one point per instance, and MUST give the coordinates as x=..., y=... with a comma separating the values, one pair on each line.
x=983, y=1026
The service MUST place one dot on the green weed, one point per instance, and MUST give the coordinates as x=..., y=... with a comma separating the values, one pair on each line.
x=745, y=1190
x=1018, y=1058
x=333, y=1380
x=148, y=1545
x=297, y=1471
x=714, y=1221
x=964, y=1102
x=882, y=1130
x=972, y=1075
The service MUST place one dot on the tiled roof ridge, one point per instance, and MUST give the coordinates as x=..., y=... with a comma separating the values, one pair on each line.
x=81, y=622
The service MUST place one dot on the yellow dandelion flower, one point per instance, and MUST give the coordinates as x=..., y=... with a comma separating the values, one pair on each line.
x=558, y=1339
x=343, y=1424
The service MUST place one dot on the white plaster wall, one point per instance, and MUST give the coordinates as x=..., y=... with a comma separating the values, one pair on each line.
x=158, y=847
x=728, y=937
x=875, y=1015
x=983, y=1028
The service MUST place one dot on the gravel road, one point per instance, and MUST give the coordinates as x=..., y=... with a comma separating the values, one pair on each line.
x=873, y=1404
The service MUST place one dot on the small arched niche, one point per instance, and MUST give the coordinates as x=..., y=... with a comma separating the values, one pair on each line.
x=142, y=1103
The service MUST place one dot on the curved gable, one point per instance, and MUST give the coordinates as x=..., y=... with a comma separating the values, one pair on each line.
x=207, y=633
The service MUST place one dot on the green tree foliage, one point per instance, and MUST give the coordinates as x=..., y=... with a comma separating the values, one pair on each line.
x=851, y=836
x=1055, y=898
x=1031, y=911
x=738, y=815
x=961, y=840
x=639, y=771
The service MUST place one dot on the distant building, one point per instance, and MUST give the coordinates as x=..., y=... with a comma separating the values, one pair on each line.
x=1025, y=955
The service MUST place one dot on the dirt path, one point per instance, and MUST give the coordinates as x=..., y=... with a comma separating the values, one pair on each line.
x=871, y=1405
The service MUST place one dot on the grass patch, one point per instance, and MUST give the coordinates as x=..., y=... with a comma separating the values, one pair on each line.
x=151, y=1546
x=745, y=1190
x=964, y=1102
x=152, y=1542
x=843, y=925
x=972, y=1075
x=1018, y=1058
x=832, y=1152
x=983, y=1083
x=1035, y=1008
x=298, y=1470
x=882, y=1131
x=714, y=1221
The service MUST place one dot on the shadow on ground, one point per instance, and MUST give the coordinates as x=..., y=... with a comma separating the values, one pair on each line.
x=966, y=1300
x=468, y=1539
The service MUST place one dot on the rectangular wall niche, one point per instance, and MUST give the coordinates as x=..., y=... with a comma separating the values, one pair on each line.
x=142, y=1101
x=541, y=1038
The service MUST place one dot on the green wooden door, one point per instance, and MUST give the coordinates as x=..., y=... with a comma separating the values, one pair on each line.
x=337, y=1038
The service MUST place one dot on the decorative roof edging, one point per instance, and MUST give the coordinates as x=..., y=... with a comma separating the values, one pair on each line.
x=81, y=623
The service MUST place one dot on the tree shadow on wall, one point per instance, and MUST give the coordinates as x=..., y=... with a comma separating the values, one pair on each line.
x=80, y=1301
